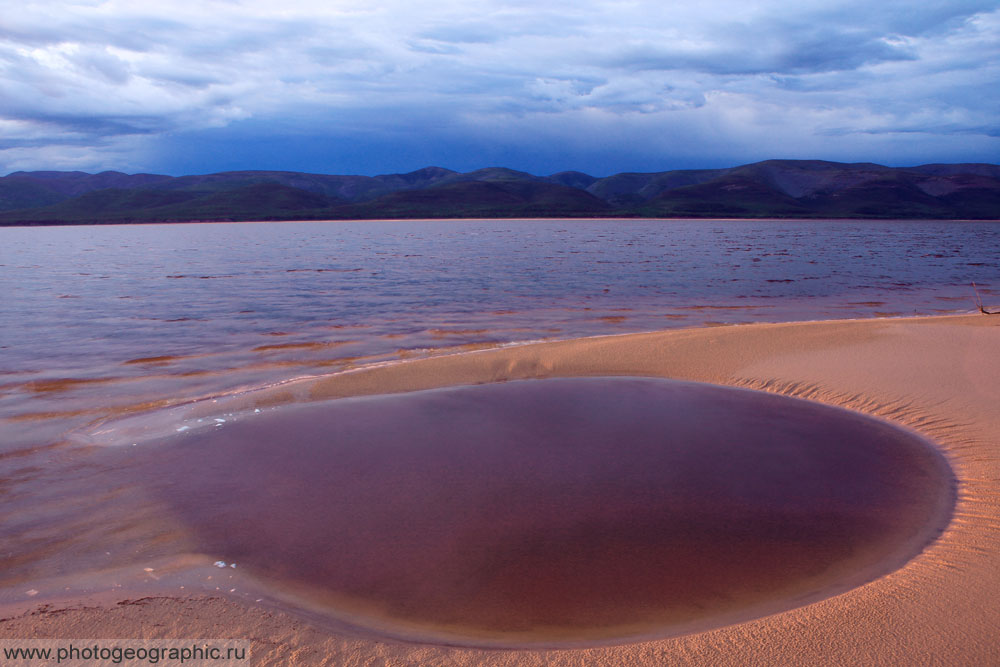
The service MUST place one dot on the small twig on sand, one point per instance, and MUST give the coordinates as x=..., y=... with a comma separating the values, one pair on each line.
x=979, y=302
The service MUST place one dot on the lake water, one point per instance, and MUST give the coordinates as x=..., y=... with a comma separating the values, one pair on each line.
x=100, y=320
x=106, y=321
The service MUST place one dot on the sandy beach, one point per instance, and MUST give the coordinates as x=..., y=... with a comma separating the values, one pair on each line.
x=936, y=376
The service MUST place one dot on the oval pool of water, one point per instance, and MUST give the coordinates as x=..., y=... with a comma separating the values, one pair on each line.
x=556, y=512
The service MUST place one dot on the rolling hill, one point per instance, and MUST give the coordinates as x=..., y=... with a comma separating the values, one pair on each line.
x=773, y=188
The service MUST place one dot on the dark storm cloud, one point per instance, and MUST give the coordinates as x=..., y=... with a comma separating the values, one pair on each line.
x=588, y=85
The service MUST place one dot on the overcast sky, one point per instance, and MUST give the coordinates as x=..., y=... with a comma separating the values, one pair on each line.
x=338, y=86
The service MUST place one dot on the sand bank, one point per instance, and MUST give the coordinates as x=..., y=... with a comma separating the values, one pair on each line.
x=938, y=376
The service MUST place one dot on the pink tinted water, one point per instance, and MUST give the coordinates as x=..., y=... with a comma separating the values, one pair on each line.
x=102, y=319
x=553, y=511
x=99, y=321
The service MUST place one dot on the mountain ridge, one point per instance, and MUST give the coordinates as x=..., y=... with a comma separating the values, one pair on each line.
x=770, y=188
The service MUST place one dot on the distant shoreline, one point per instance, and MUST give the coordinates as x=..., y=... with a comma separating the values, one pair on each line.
x=497, y=219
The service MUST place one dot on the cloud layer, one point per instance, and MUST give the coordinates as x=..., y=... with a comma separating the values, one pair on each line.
x=199, y=86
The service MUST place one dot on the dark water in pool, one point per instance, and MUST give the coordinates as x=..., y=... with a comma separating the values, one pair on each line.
x=549, y=511
x=98, y=319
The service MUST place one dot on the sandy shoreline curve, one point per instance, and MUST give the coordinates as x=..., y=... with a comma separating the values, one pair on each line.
x=939, y=376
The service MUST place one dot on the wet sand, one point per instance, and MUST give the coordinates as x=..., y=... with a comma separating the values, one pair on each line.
x=937, y=376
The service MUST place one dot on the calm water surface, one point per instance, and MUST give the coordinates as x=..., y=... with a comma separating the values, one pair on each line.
x=544, y=512
x=104, y=319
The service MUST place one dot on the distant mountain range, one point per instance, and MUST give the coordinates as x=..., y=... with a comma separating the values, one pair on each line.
x=774, y=188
